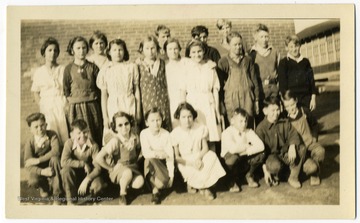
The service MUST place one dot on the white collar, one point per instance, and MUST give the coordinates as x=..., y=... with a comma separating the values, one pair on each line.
x=298, y=60
x=262, y=51
x=82, y=149
x=40, y=140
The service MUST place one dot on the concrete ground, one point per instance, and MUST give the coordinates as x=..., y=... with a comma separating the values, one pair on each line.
x=327, y=193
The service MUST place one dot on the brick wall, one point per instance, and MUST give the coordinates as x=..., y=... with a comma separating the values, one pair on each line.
x=34, y=32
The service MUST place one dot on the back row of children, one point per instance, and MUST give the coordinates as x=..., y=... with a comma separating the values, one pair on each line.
x=137, y=88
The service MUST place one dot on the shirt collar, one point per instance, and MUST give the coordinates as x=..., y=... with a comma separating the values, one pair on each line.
x=261, y=50
x=40, y=140
x=268, y=124
x=83, y=148
x=298, y=60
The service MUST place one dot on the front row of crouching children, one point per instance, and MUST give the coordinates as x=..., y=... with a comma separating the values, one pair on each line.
x=275, y=143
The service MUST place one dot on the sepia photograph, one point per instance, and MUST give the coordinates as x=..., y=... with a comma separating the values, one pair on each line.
x=181, y=111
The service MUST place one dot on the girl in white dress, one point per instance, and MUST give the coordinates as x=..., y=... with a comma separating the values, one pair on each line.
x=175, y=72
x=119, y=84
x=98, y=43
x=47, y=87
x=201, y=89
x=198, y=165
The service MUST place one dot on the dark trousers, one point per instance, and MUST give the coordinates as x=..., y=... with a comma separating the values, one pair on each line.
x=53, y=183
x=275, y=162
x=237, y=165
x=72, y=178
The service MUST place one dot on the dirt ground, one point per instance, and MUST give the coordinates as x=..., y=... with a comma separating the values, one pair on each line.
x=328, y=114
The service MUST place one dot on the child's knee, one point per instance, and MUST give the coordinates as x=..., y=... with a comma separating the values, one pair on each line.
x=126, y=175
x=318, y=153
x=137, y=182
x=310, y=167
x=97, y=185
x=273, y=164
x=34, y=181
x=231, y=160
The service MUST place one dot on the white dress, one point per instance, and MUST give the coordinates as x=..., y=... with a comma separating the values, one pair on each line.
x=98, y=60
x=201, y=81
x=175, y=72
x=189, y=143
x=52, y=100
x=119, y=80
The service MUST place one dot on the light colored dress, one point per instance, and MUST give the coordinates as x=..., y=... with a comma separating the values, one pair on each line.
x=189, y=143
x=119, y=80
x=99, y=61
x=175, y=72
x=201, y=81
x=52, y=100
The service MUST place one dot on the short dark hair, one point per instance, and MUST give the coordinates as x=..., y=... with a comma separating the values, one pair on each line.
x=242, y=112
x=98, y=35
x=292, y=38
x=185, y=106
x=35, y=117
x=73, y=41
x=50, y=41
x=149, y=38
x=78, y=123
x=119, y=114
x=260, y=27
x=171, y=40
x=197, y=30
x=271, y=100
x=119, y=42
x=288, y=95
x=162, y=28
x=222, y=22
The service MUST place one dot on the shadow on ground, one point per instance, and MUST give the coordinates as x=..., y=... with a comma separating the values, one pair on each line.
x=327, y=193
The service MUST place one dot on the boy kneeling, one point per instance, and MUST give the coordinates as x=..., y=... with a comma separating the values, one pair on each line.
x=282, y=145
x=42, y=157
x=240, y=146
x=79, y=171
x=306, y=125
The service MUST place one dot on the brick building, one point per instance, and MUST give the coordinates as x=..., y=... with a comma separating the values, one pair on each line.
x=34, y=32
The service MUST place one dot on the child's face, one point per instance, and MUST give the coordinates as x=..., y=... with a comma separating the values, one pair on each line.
x=80, y=136
x=239, y=122
x=290, y=106
x=123, y=126
x=38, y=128
x=225, y=30
x=186, y=119
x=262, y=38
x=163, y=36
x=117, y=53
x=197, y=54
x=202, y=37
x=172, y=50
x=150, y=50
x=293, y=49
x=154, y=121
x=236, y=46
x=98, y=46
x=80, y=50
x=51, y=53
x=272, y=113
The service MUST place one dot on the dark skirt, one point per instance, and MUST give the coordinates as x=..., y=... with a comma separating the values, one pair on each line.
x=90, y=112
